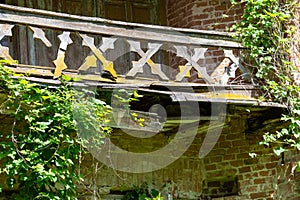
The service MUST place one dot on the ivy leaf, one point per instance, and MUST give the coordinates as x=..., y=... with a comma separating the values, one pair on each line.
x=66, y=78
x=23, y=82
x=298, y=167
x=279, y=150
x=136, y=95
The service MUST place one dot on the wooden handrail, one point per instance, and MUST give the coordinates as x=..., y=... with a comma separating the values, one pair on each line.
x=93, y=25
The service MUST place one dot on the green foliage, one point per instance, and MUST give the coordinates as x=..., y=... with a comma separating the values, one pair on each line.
x=159, y=197
x=41, y=152
x=268, y=30
x=142, y=193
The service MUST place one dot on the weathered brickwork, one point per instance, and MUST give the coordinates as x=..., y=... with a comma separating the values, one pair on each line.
x=227, y=172
x=203, y=14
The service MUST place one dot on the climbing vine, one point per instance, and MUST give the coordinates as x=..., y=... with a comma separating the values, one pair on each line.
x=40, y=152
x=269, y=31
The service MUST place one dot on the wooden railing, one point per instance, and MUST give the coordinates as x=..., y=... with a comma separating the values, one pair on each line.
x=50, y=44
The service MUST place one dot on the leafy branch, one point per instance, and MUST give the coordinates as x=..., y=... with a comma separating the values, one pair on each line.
x=269, y=30
x=51, y=128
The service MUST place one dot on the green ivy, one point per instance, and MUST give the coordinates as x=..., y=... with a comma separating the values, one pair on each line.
x=41, y=153
x=268, y=30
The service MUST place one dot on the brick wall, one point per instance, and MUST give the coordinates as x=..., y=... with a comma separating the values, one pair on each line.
x=202, y=14
x=227, y=172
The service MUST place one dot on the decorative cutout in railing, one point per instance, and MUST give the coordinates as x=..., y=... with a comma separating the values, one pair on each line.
x=122, y=55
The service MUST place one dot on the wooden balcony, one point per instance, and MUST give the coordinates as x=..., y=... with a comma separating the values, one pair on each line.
x=113, y=54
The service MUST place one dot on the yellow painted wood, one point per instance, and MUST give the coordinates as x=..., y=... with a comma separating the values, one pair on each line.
x=186, y=70
x=60, y=64
x=90, y=61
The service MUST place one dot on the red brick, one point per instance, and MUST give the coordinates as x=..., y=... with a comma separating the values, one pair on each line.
x=189, y=7
x=264, y=173
x=216, y=159
x=259, y=181
x=273, y=172
x=276, y=158
x=228, y=19
x=245, y=182
x=222, y=138
x=233, y=150
x=258, y=195
x=255, y=174
x=217, y=152
x=211, y=167
x=251, y=161
x=229, y=157
x=221, y=7
x=209, y=21
x=225, y=144
x=243, y=155
x=244, y=169
x=271, y=165
x=228, y=136
x=201, y=4
x=211, y=60
x=245, y=149
x=241, y=142
x=251, y=189
x=248, y=176
x=231, y=171
x=237, y=163
x=201, y=16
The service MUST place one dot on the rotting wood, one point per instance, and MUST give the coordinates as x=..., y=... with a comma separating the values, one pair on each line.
x=225, y=95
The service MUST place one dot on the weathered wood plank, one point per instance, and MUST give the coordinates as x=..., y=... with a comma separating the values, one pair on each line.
x=33, y=71
x=114, y=22
x=92, y=25
x=230, y=99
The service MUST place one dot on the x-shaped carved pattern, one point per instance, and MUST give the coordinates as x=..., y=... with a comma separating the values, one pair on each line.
x=233, y=67
x=182, y=51
x=40, y=34
x=145, y=58
x=60, y=59
x=5, y=30
x=108, y=43
x=91, y=61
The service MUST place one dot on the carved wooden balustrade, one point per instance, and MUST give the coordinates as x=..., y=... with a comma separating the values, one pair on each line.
x=50, y=44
